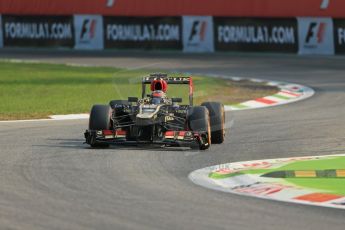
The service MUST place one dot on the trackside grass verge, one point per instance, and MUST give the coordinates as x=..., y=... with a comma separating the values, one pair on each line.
x=36, y=90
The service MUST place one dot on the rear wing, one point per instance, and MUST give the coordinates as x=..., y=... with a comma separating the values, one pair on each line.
x=171, y=81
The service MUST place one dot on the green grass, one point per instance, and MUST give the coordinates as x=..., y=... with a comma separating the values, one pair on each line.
x=332, y=185
x=36, y=90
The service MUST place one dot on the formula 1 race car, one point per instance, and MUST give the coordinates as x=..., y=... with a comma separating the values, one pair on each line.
x=157, y=119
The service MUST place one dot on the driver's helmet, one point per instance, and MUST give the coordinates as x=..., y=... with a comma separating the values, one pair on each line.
x=159, y=84
x=157, y=97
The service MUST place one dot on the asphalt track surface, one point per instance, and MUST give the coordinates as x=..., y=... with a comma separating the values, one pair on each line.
x=50, y=180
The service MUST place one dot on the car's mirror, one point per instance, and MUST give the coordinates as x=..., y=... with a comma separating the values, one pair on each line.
x=132, y=99
x=176, y=100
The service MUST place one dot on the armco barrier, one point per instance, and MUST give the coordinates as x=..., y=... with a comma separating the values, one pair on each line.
x=339, y=35
x=42, y=31
x=256, y=34
x=315, y=36
x=302, y=35
x=143, y=32
x=198, y=34
x=88, y=32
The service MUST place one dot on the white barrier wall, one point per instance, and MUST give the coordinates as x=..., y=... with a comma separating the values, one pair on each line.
x=315, y=36
x=88, y=32
x=198, y=34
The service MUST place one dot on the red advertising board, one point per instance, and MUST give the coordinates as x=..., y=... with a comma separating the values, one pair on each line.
x=234, y=8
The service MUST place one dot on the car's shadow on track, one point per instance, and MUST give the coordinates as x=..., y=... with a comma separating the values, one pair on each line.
x=80, y=144
x=64, y=143
x=151, y=148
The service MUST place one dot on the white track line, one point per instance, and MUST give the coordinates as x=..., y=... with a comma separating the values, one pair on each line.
x=54, y=118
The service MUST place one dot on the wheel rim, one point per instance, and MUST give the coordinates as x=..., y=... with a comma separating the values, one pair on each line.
x=209, y=131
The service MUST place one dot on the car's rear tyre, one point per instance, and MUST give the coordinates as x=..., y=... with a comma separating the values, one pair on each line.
x=217, y=120
x=100, y=120
x=114, y=103
x=198, y=120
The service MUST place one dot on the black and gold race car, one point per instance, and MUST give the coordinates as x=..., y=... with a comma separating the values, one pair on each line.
x=157, y=119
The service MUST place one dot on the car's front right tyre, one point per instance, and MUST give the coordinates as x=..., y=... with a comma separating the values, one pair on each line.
x=100, y=119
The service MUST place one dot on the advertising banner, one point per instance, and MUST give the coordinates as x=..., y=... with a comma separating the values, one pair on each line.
x=315, y=36
x=198, y=34
x=143, y=32
x=39, y=31
x=1, y=39
x=339, y=35
x=88, y=32
x=255, y=34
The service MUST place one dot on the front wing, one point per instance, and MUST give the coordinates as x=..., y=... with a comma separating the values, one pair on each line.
x=170, y=138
